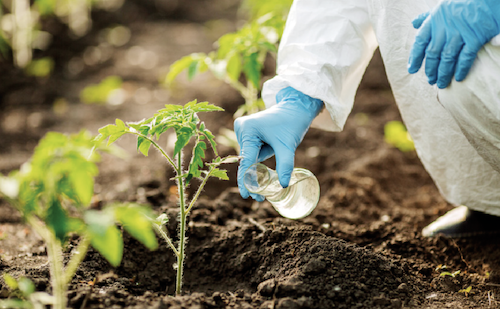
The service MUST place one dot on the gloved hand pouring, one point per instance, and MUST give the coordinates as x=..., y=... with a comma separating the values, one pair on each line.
x=325, y=49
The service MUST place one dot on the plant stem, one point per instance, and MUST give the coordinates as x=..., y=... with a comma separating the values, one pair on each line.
x=200, y=188
x=167, y=239
x=182, y=233
x=157, y=147
x=54, y=253
x=76, y=259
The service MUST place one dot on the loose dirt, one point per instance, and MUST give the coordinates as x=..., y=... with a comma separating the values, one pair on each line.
x=360, y=248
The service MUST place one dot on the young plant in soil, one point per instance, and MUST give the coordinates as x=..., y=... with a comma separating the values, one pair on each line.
x=187, y=126
x=238, y=61
x=53, y=192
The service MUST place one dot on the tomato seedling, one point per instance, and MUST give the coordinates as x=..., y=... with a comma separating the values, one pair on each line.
x=53, y=192
x=187, y=126
x=238, y=60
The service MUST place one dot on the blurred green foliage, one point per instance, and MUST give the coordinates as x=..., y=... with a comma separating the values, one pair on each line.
x=257, y=8
x=99, y=93
x=53, y=193
x=40, y=67
x=21, y=24
x=57, y=186
x=395, y=134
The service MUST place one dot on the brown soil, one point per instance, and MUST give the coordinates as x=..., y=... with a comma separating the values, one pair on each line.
x=360, y=248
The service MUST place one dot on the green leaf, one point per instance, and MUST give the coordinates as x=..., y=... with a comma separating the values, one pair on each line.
x=114, y=132
x=121, y=125
x=396, y=135
x=233, y=66
x=10, y=281
x=57, y=220
x=192, y=69
x=26, y=286
x=82, y=183
x=177, y=67
x=104, y=235
x=113, y=138
x=170, y=108
x=229, y=159
x=210, y=137
x=183, y=136
x=136, y=221
x=204, y=107
x=221, y=174
x=269, y=46
x=109, y=244
x=252, y=68
x=197, y=159
x=75, y=225
x=144, y=145
x=226, y=44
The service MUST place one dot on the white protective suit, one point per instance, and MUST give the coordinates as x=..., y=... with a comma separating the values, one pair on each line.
x=324, y=52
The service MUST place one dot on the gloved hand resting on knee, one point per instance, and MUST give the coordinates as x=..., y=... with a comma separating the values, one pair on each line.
x=450, y=37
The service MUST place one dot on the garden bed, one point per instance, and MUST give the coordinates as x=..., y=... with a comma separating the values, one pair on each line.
x=360, y=248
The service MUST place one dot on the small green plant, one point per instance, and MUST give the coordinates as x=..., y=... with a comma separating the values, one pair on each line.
x=53, y=192
x=396, y=135
x=238, y=60
x=187, y=126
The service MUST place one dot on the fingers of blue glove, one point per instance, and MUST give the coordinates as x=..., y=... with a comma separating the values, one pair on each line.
x=249, y=153
x=465, y=61
x=449, y=59
x=417, y=52
x=284, y=164
x=433, y=54
x=419, y=20
x=265, y=153
x=257, y=197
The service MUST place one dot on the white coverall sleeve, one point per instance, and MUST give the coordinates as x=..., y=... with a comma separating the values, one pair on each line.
x=325, y=49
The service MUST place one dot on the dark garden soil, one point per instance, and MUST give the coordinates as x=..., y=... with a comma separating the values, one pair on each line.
x=360, y=248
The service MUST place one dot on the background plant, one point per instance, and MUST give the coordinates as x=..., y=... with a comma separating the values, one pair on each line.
x=395, y=134
x=187, y=126
x=53, y=192
x=21, y=28
x=239, y=56
x=238, y=60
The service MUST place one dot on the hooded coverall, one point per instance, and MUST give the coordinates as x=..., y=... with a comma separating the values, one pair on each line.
x=326, y=47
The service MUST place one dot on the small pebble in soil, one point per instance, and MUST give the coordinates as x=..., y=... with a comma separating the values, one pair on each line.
x=396, y=303
x=314, y=266
x=403, y=288
x=266, y=288
x=287, y=303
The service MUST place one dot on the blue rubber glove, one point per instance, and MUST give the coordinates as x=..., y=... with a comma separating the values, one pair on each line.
x=278, y=131
x=450, y=37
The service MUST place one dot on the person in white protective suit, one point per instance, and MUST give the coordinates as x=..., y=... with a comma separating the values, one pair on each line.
x=450, y=105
